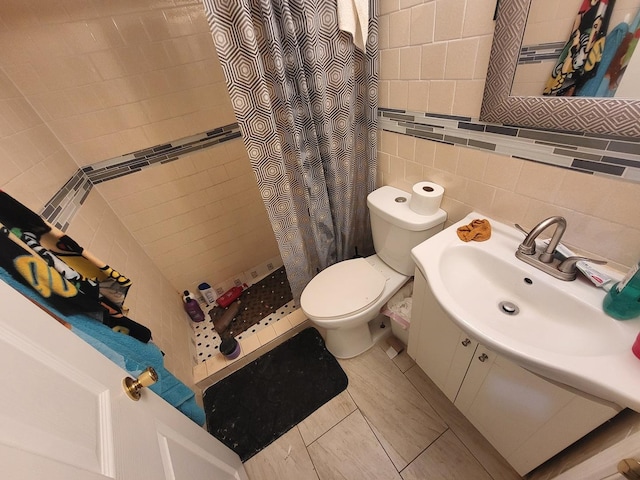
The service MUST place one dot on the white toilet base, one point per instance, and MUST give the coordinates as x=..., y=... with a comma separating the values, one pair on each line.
x=350, y=342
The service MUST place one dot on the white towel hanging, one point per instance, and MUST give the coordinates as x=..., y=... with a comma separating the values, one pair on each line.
x=353, y=18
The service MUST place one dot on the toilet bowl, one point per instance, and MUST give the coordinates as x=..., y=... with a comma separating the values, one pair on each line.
x=345, y=299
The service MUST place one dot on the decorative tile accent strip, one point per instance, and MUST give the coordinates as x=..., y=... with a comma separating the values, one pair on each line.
x=61, y=208
x=168, y=152
x=617, y=157
x=607, y=155
x=542, y=52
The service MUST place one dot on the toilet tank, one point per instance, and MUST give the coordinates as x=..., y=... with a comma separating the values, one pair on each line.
x=396, y=229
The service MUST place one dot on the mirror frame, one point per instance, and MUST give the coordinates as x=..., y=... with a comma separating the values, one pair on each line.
x=608, y=116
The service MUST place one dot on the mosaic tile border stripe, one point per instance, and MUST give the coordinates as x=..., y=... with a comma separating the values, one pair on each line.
x=617, y=157
x=159, y=154
x=542, y=52
x=65, y=203
x=62, y=207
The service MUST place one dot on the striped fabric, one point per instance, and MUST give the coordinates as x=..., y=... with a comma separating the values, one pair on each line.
x=305, y=99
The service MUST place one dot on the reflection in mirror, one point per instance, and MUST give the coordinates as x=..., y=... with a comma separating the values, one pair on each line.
x=548, y=48
x=585, y=115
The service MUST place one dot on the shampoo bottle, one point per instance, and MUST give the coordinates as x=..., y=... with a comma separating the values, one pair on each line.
x=187, y=294
x=230, y=295
x=207, y=293
x=623, y=300
x=192, y=307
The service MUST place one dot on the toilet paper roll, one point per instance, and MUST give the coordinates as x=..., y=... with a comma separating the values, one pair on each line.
x=426, y=198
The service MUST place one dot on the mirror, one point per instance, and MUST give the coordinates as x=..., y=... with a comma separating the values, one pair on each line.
x=609, y=116
x=548, y=29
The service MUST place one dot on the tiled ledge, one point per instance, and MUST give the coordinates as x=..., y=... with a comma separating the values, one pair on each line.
x=217, y=367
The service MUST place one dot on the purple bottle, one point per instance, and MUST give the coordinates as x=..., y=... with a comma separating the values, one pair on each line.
x=192, y=307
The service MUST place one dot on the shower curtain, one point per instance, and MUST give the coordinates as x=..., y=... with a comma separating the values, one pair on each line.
x=306, y=101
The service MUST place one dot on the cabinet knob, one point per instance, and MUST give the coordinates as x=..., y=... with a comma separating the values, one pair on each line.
x=466, y=342
x=483, y=358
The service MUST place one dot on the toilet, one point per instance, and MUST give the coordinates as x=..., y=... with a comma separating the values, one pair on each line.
x=345, y=299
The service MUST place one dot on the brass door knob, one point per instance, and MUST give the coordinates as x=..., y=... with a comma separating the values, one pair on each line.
x=133, y=386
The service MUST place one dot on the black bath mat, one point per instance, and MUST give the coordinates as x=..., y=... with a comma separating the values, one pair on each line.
x=254, y=406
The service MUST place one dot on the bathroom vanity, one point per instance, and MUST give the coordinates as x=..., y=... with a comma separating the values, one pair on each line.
x=528, y=357
x=525, y=417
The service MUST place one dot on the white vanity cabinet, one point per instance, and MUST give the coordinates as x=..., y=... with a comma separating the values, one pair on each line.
x=526, y=418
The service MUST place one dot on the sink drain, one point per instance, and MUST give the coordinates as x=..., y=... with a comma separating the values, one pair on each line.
x=509, y=308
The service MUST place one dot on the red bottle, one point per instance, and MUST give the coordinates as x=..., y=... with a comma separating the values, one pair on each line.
x=230, y=295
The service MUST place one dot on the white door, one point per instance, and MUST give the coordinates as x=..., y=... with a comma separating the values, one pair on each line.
x=64, y=413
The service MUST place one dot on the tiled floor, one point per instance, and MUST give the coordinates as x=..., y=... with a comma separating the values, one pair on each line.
x=392, y=422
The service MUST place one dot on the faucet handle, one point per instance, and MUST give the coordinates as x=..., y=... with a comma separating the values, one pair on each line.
x=526, y=249
x=521, y=229
x=568, y=265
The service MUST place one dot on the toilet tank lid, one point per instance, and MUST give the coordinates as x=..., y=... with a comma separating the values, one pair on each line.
x=342, y=288
x=382, y=201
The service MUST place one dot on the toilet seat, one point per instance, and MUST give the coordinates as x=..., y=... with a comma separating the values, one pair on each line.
x=342, y=289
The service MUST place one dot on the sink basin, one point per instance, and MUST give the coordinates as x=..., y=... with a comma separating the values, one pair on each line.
x=553, y=328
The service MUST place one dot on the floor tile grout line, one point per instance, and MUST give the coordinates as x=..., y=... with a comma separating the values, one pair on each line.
x=368, y=422
x=425, y=398
x=334, y=426
x=462, y=441
x=357, y=409
x=425, y=449
x=472, y=454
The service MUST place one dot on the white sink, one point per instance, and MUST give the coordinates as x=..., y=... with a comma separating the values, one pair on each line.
x=558, y=331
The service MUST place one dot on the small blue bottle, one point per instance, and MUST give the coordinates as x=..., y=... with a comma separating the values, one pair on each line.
x=623, y=300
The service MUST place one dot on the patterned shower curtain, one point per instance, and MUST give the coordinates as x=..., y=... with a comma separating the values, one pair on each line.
x=306, y=102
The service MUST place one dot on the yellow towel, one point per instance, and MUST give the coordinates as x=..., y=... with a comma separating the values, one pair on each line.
x=478, y=230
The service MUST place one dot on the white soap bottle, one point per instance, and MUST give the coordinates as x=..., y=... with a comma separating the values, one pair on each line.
x=207, y=293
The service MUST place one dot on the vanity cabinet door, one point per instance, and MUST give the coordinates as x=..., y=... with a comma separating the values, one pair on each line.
x=526, y=418
x=438, y=346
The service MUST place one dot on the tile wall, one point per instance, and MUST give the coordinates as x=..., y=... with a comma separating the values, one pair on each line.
x=33, y=163
x=434, y=57
x=200, y=217
x=113, y=80
x=109, y=77
x=33, y=167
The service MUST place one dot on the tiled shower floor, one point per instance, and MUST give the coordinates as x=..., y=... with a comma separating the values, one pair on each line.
x=262, y=304
x=208, y=341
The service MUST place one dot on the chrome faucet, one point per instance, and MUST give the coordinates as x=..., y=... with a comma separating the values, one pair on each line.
x=562, y=269
x=528, y=246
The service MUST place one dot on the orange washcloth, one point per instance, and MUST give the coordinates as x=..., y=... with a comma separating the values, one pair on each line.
x=478, y=230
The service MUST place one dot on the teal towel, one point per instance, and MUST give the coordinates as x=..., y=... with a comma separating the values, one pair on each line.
x=611, y=44
x=611, y=80
x=125, y=351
